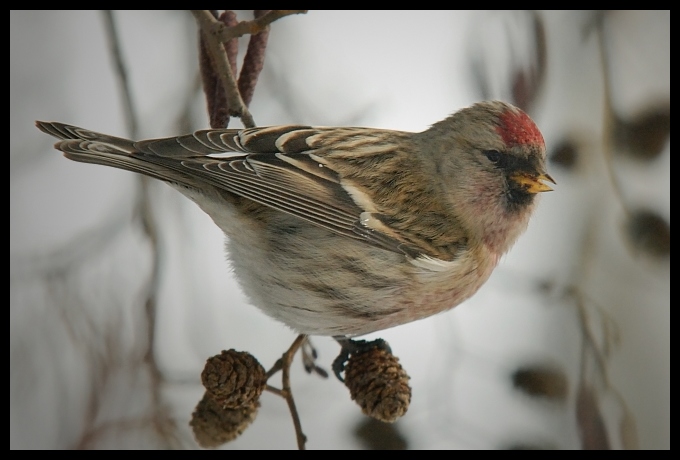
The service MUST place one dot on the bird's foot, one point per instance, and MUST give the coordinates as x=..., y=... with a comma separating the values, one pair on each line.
x=349, y=347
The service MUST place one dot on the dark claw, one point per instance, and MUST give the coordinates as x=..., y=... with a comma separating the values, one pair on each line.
x=309, y=356
x=350, y=347
x=339, y=363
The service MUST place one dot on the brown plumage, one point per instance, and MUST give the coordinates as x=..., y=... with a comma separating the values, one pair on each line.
x=345, y=231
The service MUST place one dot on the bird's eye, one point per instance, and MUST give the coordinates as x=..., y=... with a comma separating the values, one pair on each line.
x=494, y=156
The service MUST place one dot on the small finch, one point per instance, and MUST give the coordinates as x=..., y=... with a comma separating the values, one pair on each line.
x=347, y=231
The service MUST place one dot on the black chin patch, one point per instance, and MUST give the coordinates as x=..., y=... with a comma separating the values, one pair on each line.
x=517, y=197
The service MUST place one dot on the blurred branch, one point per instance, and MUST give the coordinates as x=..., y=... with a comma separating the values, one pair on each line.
x=594, y=381
x=644, y=138
x=143, y=207
x=121, y=73
x=608, y=121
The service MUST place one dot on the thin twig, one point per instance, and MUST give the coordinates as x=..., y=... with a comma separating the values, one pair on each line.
x=223, y=69
x=257, y=25
x=283, y=364
x=285, y=381
x=278, y=365
x=218, y=105
x=216, y=33
x=589, y=349
x=274, y=390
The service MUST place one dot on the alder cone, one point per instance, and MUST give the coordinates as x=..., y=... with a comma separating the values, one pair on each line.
x=234, y=379
x=378, y=383
x=214, y=425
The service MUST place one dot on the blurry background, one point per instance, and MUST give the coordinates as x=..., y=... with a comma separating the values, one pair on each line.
x=120, y=290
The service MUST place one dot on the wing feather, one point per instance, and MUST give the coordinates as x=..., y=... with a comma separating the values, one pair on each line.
x=280, y=167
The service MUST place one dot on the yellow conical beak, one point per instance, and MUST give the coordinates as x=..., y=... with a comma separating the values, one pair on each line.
x=532, y=183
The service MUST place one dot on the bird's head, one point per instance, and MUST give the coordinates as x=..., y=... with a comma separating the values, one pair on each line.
x=490, y=158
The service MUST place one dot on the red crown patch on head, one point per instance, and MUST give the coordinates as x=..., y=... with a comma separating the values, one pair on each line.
x=517, y=128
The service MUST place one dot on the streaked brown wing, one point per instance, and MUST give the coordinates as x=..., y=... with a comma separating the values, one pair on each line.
x=273, y=166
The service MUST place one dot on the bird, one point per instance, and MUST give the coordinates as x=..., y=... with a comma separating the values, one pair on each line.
x=345, y=231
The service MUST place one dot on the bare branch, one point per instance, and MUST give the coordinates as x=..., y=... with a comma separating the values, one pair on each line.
x=222, y=67
x=218, y=105
x=257, y=25
x=215, y=33
x=286, y=391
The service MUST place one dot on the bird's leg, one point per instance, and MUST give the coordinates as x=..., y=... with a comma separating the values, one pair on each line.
x=349, y=347
x=309, y=356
